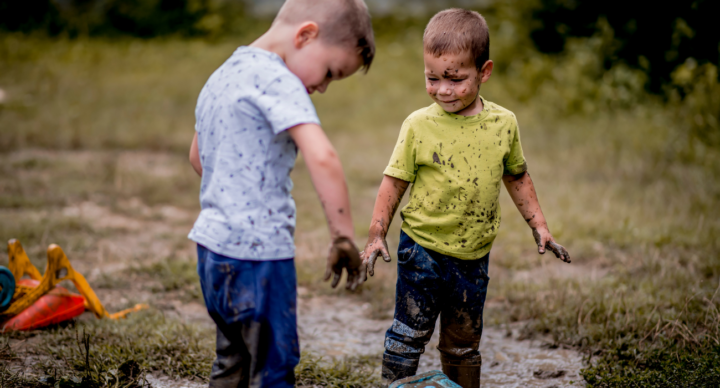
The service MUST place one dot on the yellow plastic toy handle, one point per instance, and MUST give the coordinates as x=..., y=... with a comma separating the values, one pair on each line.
x=58, y=269
x=19, y=262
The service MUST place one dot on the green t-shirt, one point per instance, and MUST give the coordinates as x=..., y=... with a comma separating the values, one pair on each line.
x=455, y=164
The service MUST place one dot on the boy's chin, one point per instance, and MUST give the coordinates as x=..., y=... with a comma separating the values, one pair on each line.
x=451, y=108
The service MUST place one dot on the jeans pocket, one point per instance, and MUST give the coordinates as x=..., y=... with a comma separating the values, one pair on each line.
x=406, y=248
x=233, y=288
x=407, y=254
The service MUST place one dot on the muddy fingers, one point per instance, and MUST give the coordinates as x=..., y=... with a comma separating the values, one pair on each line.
x=538, y=241
x=545, y=241
x=373, y=259
x=559, y=251
x=356, y=278
x=344, y=254
x=375, y=247
x=371, y=262
x=336, y=279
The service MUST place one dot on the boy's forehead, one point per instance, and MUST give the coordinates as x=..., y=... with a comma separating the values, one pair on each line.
x=348, y=60
x=444, y=61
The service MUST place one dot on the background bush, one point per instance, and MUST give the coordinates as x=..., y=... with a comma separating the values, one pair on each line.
x=141, y=18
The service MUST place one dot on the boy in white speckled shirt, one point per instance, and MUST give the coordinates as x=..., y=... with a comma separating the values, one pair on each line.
x=252, y=116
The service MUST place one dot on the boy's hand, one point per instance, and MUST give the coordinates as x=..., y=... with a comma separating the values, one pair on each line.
x=545, y=240
x=344, y=254
x=375, y=247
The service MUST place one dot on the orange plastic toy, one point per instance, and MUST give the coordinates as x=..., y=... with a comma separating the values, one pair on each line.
x=56, y=306
x=39, y=301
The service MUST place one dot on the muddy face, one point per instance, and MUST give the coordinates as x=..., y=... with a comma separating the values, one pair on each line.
x=453, y=82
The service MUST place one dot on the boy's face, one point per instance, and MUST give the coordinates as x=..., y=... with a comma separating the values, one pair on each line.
x=453, y=82
x=318, y=63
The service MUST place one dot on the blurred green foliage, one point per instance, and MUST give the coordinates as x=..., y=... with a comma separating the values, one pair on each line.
x=655, y=42
x=697, y=98
x=607, y=53
x=142, y=18
x=676, y=48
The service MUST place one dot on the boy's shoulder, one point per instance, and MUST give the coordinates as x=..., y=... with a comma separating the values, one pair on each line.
x=423, y=114
x=497, y=111
x=251, y=69
x=254, y=87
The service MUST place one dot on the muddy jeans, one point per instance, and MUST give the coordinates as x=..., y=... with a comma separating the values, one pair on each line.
x=253, y=304
x=431, y=284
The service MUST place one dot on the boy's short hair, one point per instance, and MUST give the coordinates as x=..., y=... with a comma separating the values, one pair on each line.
x=344, y=22
x=454, y=31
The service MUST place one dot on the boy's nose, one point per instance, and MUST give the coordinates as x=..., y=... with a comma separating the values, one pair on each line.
x=444, y=89
x=322, y=87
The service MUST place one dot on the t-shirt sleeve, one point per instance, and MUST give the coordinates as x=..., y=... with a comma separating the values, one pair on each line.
x=515, y=160
x=285, y=103
x=402, y=162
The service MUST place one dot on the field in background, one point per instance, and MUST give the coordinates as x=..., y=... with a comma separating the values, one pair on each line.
x=94, y=136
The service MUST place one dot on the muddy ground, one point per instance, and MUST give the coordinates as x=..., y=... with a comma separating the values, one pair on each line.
x=329, y=326
x=132, y=252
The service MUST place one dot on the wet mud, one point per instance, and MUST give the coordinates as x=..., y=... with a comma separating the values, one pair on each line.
x=338, y=327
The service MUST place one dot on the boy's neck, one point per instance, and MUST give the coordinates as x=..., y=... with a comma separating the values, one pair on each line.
x=476, y=107
x=274, y=40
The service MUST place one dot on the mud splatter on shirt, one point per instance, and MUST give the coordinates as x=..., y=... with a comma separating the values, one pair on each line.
x=456, y=164
x=246, y=154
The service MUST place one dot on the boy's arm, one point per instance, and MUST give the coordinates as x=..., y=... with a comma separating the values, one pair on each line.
x=522, y=191
x=388, y=198
x=329, y=180
x=195, y=156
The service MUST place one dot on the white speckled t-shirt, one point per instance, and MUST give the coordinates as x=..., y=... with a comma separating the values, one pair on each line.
x=246, y=154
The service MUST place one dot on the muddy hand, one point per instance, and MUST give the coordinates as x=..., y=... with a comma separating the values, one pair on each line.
x=544, y=240
x=559, y=251
x=373, y=250
x=344, y=254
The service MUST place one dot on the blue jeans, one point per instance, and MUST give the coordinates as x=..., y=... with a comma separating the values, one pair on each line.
x=254, y=305
x=429, y=285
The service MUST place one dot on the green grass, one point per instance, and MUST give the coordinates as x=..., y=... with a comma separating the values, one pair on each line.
x=174, y=275
x=354, y=372
x=104, y=353
x=108, y=120
x=145, y=341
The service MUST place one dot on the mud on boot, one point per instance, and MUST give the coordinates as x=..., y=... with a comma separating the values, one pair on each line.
x=396, y=367
x=465, y=372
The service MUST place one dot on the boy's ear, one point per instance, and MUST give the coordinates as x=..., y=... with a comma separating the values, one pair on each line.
x=486, y=71
x=305, y=33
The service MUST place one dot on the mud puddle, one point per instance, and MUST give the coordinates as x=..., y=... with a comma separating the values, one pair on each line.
x=337, y=327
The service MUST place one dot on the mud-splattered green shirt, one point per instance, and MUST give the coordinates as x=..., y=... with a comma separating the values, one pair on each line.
x=456, y=164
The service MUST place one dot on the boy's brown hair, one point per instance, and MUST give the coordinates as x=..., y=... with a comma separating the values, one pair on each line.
x=455, y=31
x=343, y=22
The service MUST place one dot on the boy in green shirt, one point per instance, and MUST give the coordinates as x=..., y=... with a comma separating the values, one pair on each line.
x=455, y=153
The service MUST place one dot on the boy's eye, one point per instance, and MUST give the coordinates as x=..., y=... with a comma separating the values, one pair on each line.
x=458, y=80
x=432, y=79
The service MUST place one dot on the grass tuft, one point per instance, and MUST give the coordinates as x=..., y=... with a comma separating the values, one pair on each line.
x=174, y=274
x=356, y=372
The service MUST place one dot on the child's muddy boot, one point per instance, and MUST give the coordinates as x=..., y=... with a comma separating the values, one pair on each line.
x=465, y=372
x=396, y=368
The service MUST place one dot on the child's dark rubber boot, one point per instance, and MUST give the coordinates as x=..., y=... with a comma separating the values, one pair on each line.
x=396, y=368
x=465, y=372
